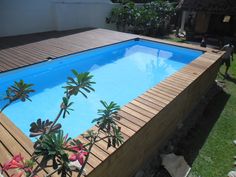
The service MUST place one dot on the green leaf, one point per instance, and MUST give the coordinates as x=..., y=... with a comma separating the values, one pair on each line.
x=107, y=116
x=19, y=91
x=40, y=127
x=53, y=146
x=81, y=81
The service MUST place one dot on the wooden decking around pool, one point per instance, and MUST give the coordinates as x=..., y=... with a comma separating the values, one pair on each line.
x=134, y=115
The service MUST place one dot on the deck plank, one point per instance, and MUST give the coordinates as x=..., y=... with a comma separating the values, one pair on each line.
x=140, y=110
x=136, y=114
x=149, y=109
x=150, y=97
x=131, y=118
x=129, y=124
x=16, y=133
x=149, y=103
x=164, y=93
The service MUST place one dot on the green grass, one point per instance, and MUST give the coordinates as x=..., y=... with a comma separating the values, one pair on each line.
x=215, y=158
x=171, y=37
x=176, y=39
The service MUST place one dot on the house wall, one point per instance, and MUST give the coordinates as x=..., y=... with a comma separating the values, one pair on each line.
x=31, y=16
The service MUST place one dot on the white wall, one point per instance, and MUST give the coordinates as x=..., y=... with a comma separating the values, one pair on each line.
x=79, y=14
x=25, y=16
x=31, y=16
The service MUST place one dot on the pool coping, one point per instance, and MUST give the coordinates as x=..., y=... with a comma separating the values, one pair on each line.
x=137, y=113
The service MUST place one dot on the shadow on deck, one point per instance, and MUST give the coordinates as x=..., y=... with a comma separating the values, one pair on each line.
x=14, y=41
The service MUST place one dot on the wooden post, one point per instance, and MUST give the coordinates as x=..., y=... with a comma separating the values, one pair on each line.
x=183, y=21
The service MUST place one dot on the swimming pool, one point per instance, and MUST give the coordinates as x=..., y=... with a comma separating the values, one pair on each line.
x=121, y=72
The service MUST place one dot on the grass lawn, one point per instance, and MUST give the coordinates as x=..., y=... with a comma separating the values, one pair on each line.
x=215, y=159
x=175, y=39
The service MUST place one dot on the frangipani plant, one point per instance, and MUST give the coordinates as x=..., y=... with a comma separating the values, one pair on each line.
x=18, y=91
x=53, y=149
x=150, y=18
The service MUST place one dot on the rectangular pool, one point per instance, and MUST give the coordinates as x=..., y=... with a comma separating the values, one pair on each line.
x=121, y=71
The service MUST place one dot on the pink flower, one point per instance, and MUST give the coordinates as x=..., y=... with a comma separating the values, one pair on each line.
x=19, y=174
x=80, y=156
x=28, y=169
x=76, y=148
x=16, y=162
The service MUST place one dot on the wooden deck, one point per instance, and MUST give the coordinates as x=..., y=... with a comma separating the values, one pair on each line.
x=153, y=107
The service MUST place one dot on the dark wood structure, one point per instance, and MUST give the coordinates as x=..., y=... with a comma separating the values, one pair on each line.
x=211, y=6
x=216, y=18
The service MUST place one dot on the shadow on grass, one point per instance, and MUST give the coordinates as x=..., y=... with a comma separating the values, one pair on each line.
x=228, y=78
x=190, y=146
x=231, y=79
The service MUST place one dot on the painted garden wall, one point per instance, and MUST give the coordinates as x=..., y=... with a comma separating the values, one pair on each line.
x=31, y=16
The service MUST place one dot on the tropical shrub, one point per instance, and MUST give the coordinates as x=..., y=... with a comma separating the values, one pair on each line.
x=135, y=1
x=52, y=148
x=123, y=15
x=150, y=19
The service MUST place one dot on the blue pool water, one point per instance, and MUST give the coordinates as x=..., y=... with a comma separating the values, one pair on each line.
x=122, y=72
